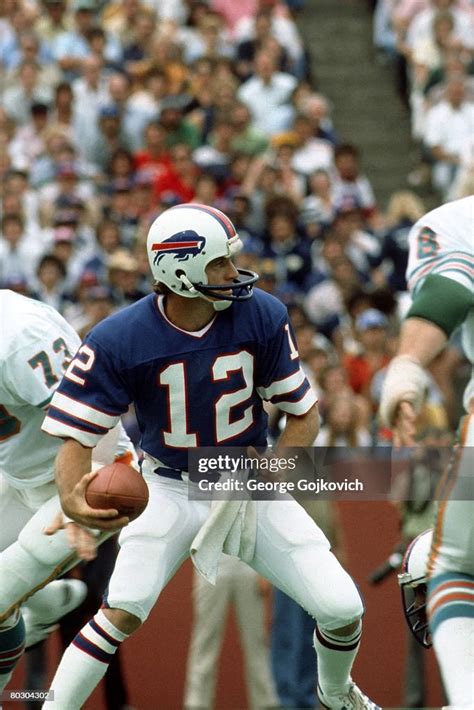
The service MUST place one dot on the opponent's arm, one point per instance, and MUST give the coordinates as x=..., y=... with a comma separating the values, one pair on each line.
x=439, y=307
x=73, y=475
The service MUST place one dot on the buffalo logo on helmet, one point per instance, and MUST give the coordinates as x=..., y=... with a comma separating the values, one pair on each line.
x=181, y=245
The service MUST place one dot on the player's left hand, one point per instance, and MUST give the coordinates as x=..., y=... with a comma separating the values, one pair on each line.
x=268, y=474
x=404, y=429
x=79, y=539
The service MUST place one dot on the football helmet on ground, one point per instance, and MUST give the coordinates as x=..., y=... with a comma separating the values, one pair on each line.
x=413, y=584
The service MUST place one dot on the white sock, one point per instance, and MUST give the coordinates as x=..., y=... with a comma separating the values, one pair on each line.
x=453, y=642
x=84, y=663
x=336, y=655
x=451, y=616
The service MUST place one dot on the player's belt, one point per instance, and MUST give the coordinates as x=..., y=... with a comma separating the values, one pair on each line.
x=173, y=473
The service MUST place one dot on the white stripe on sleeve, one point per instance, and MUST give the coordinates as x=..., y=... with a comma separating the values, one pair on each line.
x=302, y=406
x=83, y=411
x=65, y=431
x=285, y=386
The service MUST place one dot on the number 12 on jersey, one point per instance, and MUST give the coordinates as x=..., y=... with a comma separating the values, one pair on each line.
x=174, y=378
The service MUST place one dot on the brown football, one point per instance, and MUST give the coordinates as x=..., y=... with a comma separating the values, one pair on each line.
x=118, y=486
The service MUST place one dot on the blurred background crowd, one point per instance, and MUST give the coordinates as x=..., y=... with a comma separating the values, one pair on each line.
x=113, y=111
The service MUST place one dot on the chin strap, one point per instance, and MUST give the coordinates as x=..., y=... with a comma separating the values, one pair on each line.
x=188, y=285
x=219, y=305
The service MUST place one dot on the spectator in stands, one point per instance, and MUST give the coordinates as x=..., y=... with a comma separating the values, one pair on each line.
x=247, y=138
x=136, y=52
x=316, y=108
x=347, y=180
x=289, y=181
x=359, y=245
x=108, y=240
x=50, y=282
x=119, y=18
x=448, y=131
x=120, y=211
x=18, y=251
x=267, y=94
x=429, y=53
x=72, y=47
x=28, y=141
x=342, y=425
x=54, y=21
x=180, y=179
x=317, y=211
x=178, y=129
x=325, y=302
x=290, y=251
x=123, y=278
x=121, y=165
x=403, y=210
x=18, y=99
x=422, y=26
x=312, y=153
x=215, y=157
x=247, y=48
x=133, y=119
x=284, y=30
x=371, y=328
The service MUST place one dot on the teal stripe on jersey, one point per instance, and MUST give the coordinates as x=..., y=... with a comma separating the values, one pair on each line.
x=436, y=262
x=451, y=256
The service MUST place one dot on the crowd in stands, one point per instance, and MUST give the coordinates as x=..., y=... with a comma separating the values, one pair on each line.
x=432, y=45
x=111, y=112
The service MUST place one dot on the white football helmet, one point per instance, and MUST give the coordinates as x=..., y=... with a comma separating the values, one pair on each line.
x=181, y=243
x=413, y=583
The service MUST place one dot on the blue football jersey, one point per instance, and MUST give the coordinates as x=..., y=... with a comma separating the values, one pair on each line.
x=203, y=388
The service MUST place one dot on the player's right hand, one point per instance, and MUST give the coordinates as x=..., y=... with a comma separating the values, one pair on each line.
x=76, y=507
x=404, y=428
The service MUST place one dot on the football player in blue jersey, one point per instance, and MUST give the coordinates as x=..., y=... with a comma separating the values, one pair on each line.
x=197, y=358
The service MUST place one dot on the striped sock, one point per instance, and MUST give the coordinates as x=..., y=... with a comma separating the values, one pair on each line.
x=12, y=645
x=336, y=655
x=451, y=616
x=84, y=663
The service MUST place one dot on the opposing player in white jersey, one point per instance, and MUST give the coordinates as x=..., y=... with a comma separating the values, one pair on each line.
x=197, y=359
x=441, y=278
x=36, y=346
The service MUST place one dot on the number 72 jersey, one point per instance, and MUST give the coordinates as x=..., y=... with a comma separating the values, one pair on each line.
x=36, y=346
x=189, y=389
x=442, y=242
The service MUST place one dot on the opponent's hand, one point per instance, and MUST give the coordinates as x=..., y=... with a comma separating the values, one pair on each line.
x=76, y=507
x=404, y=427
x=79, y=539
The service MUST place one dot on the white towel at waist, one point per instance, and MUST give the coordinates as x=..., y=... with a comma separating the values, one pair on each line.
x=231, y=528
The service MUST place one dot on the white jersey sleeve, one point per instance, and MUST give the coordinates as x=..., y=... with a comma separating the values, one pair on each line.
x=442, y=242
x=35, y=348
